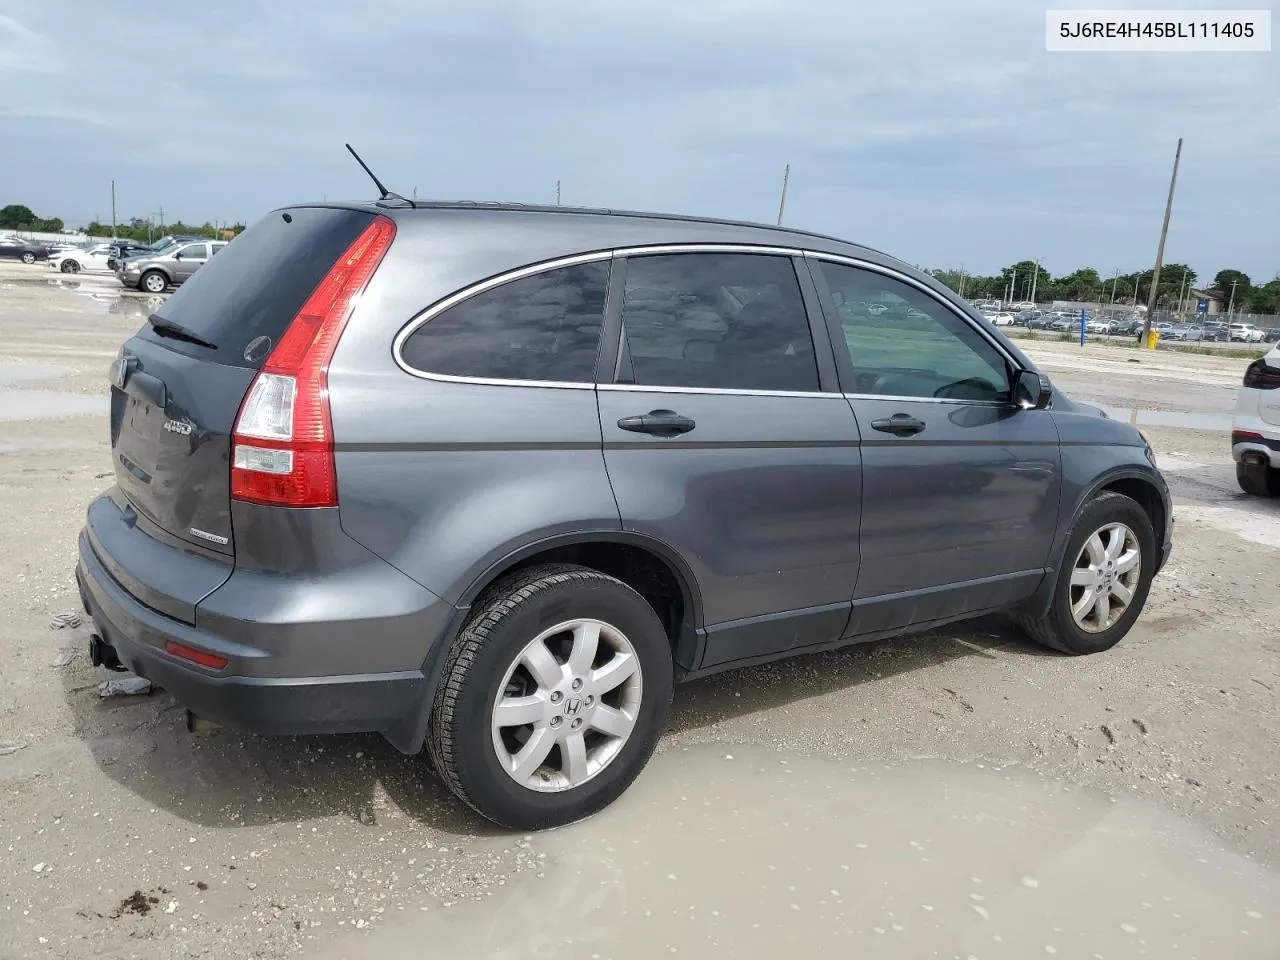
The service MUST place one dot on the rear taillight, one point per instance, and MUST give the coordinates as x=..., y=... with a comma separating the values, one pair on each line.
x=1260, y=375
x=282, y=451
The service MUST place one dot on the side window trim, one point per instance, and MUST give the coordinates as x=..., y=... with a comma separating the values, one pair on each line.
x=458, y=296
x=824, y=354
x=835, y=330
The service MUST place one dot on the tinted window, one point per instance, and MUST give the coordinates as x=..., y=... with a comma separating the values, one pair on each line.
x=726, y=321
x=197, y=251
x=904, y=343
x=255, y=286
x=543, y=327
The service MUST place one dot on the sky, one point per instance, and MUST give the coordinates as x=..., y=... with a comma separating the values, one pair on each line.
x=937, y=130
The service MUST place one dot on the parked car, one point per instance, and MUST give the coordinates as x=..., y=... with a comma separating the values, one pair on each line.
x=1001, y=319
x=1246, y=333
x=1255, y=429
x=125, y=248
x=93, y=259
x=1216, y=330
x=1100, y=325
x=15, y=248
x=156, y=272
x=1272, y=334
x=488, y=479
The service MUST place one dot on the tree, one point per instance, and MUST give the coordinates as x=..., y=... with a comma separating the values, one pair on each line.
x=16, y=216
x=1234, y=286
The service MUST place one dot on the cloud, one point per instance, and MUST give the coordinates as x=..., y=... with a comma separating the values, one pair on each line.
x=942, y=132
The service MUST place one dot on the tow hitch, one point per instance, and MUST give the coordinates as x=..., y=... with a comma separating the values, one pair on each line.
x=102, y=654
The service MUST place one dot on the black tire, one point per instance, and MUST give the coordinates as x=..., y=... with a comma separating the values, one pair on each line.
x=144, y=281
x=1258, y=480
x=1058, y=629
x=506, y=617
x=69, y=266
x=28, y=258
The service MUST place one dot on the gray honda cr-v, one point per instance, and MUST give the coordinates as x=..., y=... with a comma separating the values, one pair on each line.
x=489, y=479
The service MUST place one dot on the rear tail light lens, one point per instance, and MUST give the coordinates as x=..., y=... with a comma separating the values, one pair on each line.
x=283, y=441
x=1260, y=375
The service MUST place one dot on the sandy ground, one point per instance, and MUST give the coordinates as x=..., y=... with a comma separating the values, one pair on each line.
x=959, y=794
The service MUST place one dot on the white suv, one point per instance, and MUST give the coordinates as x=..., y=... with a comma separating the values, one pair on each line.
x=1247, y=333
x=1255, y=431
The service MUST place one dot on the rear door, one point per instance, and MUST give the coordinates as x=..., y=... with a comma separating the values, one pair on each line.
x=174, y=401
x=724, y=441
x=960, y=486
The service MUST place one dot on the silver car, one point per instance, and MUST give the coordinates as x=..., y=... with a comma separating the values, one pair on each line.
x=157, y=272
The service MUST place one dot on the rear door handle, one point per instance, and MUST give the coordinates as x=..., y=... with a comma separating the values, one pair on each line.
x=900, y=425
x=659, y=423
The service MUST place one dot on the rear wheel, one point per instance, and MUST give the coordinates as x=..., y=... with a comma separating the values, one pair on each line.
x=28, y=257
x=1103, y=582
x=1258, y=480
x=153, y=281
x=553, y=697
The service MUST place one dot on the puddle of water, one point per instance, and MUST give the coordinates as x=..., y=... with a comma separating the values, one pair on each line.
x=1169, y=418
x=25, y=372
x=737, y=852
x=49, y=405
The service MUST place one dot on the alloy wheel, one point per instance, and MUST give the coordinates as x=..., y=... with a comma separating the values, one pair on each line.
x=567, y=705
x=1105, y=577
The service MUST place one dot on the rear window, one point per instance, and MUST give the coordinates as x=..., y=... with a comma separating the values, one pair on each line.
x=257, y=282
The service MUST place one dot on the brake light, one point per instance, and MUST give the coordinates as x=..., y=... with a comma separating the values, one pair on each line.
x=1260, y=375
x=282, y=447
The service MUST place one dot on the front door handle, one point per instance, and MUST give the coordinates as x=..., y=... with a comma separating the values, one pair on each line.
x=659, y=423
x=900, y=425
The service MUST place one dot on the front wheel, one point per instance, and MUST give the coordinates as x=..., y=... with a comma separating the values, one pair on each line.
x=1103, y=582
x=69, y=266
x=1258, y=480
x=553, y=697
x=28, y=257
x=153, y=281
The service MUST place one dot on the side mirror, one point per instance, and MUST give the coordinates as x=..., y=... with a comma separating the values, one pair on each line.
x=1031, y=390
x=178, y=255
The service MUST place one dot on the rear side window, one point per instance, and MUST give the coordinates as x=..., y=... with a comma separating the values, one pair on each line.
x=255, y=286
x=728, y=321
x=542, y=327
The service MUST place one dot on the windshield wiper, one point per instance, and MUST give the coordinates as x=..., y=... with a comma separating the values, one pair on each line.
x=176, y=331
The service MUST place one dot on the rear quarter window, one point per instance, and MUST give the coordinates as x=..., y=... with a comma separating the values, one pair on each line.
x=257, y=282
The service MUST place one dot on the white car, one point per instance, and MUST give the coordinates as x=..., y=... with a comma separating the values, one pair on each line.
x=1247, y=333
x=92, y=259
x=1255, y=430
x=1001, y=319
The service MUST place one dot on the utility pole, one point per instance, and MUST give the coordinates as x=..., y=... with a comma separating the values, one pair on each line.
x=1232, y=302
x=113, y=210
x=1013, y=285
x=1164, y=231
x=557, y=193
x=1114, y=281
x=782, y=204
x=1034, y=280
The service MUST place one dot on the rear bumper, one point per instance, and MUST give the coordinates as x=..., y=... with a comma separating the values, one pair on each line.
x=266, y=705
x=301, y=671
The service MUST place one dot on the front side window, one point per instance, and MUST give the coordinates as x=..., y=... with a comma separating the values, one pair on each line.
x=904, y=343
x=727, y=321
x=542, y=327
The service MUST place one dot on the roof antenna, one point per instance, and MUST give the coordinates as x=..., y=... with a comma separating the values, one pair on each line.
x=385, y=194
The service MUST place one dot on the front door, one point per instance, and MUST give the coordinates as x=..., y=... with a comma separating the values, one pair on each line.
x=722, y=441
x=189, y=259
x=960, y=485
